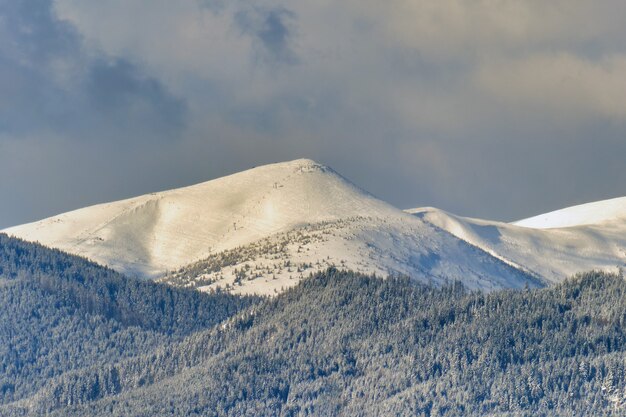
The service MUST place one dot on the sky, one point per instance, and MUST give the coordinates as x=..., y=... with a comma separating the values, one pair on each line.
x=499, y=109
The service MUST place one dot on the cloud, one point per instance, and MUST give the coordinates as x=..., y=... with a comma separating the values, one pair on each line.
x=35, y=49
x=460, y=29
x=32, y=34
x=562, y=86
x=118, y=89
x=50, y=83
x=481, y=107
x=271, y=29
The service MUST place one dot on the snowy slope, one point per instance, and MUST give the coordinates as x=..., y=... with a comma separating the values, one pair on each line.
x=611, y=211
x=553, y=246
x=151, y=233
x=398, y=245
x=275, y=223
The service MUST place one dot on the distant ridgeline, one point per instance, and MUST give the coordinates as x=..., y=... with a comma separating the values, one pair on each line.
x=80, y=340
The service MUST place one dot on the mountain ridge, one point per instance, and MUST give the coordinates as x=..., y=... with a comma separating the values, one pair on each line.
x=593, y=213
x=262, y=230
x=553, y=253
x=243, y=214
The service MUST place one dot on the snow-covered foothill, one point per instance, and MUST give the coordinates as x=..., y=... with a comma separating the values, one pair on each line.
x=576, y=240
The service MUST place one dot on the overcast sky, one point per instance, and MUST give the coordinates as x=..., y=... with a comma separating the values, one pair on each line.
x=494, y=109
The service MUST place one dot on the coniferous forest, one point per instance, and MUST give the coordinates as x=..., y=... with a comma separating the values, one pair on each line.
x=77, y=339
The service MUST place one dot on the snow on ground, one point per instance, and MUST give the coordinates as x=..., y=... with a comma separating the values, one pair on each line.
x=228, y=224
x=150, y=234
x=262, y=230
x=596, y=213
x=553, y=253
x=401, y=245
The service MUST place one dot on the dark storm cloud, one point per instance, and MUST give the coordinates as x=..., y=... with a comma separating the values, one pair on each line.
x=271, y=29
x=31, y=42
x=118, y=89
x=31, y=34
x=49, y=83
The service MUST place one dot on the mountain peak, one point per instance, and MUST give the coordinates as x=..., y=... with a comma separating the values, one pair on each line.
x=152, y=233
x=262, y=230
x=303, y=163
x=296, y=165
x=292, y=164
x=276, y=170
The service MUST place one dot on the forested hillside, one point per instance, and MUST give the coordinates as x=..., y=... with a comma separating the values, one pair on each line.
x=60, y=313
x=346, y=344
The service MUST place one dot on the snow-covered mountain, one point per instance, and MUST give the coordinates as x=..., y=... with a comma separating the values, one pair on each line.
x=263, y=229
x=555, y=245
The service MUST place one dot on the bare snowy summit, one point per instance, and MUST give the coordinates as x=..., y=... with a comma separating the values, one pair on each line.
x=149, y=234
x=261, y=230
